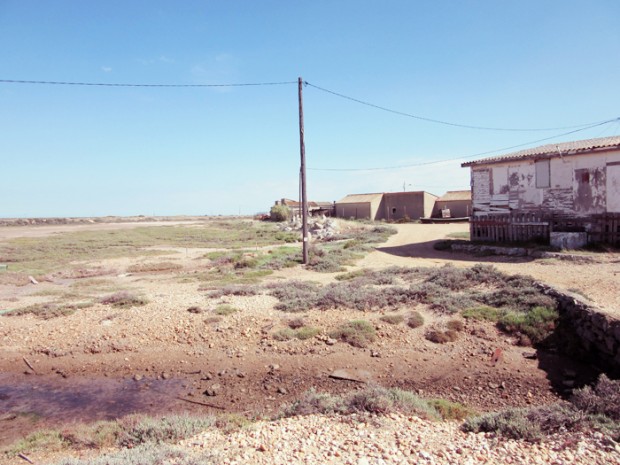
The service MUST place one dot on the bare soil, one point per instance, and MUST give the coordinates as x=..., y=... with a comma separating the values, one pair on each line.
x=103, y=362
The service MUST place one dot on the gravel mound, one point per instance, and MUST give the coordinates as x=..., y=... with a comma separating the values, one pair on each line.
x=394, y=439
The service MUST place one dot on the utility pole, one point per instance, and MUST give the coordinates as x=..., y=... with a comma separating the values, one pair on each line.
x=302, y=151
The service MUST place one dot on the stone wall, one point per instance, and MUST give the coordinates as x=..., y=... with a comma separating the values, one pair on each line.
x=586, y=332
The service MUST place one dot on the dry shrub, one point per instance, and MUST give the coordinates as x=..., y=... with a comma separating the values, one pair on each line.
x=296, y=323
x=124, y=299
x=415, y=319
x=455, y=325
x=393, y=319
x=441, y=337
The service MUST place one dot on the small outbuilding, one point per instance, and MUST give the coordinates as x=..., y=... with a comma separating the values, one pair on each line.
x=453, y=204
x=388, y=206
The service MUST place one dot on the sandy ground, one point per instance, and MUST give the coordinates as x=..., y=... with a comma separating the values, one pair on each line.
x=161, y=358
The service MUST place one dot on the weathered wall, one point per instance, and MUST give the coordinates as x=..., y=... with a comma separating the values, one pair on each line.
x=580, y=185
x=586, y=332
x=360, y=210
x=397, y=205
x=458, y=208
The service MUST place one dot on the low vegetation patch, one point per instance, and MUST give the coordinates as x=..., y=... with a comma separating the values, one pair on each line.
x=124, y=299
x=375, y=400
x=441, y=337
x=134, y=432
x=158, y=267
x=590, y=408
x=50, y=310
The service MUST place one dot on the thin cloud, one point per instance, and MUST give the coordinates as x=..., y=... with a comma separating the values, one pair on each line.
x=106, y=69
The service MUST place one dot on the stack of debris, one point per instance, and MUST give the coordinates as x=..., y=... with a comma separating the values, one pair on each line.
x=321, y=227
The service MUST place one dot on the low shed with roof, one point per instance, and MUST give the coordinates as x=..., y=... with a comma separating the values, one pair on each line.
x=389, y=206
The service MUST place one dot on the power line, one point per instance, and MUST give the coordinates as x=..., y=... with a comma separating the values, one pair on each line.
x=107, y=84
x=446, y=123
x=385, y=168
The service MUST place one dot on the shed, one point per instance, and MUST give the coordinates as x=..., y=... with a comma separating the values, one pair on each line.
x=456, y=203
x=389, y=206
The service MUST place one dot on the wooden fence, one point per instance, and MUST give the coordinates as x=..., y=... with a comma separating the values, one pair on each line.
x=537, y=226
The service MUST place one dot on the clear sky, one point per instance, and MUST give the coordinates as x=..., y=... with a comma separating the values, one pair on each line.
x=93, y=150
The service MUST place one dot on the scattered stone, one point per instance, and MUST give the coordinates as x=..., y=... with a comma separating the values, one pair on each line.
x=138, y=377
x=213, y=390
x=282, y=390
x=374, y=353
x=166, y=375
x=359, y=376
x=530, y=355
x=330, y=341
x=32, y=280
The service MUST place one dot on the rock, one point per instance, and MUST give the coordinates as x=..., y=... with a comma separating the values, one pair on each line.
x=166, y=375
x=360, y=376
x=138, y=377
x=213, y=390
x=330, y=342
x=282, y=390
x=374, y=353
x=32, y=280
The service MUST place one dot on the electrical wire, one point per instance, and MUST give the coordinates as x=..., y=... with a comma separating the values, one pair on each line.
x=479, y=154
x=106, y=84
x=446, y=123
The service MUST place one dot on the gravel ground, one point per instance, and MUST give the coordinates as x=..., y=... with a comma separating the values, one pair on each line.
x=394, y=439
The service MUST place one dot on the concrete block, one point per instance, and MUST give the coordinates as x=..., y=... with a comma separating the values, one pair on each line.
x=568, y=240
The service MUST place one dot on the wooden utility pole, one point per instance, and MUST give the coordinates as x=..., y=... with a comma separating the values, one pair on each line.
x=302, y=151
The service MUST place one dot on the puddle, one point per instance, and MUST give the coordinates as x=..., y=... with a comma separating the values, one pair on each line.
x=28, y=403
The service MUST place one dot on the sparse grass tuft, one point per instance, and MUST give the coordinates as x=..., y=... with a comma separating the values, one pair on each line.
x=284, y=334
x=138, y=429
x=225, y=310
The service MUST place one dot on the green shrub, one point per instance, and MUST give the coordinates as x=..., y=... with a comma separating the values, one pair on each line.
x=537, y=324
x=279, y=213
x=482, y=313
x=358, y=333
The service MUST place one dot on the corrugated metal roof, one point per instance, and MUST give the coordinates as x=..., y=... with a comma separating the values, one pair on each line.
x=360, y=198
x=455, y=195
x=564, y=148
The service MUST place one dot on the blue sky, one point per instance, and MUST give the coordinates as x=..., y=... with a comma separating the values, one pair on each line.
x=90, y=151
